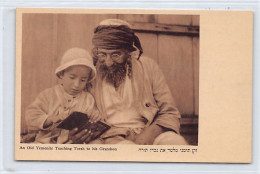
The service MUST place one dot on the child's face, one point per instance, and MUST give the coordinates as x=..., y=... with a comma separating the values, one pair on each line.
x=75, y=78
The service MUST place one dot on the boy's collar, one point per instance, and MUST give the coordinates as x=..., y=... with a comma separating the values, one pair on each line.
x=68, y=96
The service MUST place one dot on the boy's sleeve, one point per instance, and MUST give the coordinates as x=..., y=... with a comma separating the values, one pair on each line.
x=91, y=108
x=36, y=112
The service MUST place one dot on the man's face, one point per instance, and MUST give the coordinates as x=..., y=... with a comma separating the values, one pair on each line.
x=112, y=65
x=111, y=57
x=75, y=78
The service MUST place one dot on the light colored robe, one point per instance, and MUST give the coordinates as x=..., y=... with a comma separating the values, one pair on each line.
x=151, y=98
x=56, y=102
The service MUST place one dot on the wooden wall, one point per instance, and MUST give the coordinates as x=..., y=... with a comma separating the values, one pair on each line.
x=171, y=40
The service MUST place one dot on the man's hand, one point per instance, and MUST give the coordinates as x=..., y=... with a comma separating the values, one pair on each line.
x=83, y=136
x=95, y=117
x=147, y=136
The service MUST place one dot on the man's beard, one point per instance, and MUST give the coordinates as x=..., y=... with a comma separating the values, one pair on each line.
x=115, y=74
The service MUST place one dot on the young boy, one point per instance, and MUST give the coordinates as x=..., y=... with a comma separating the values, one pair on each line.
x=53, y=105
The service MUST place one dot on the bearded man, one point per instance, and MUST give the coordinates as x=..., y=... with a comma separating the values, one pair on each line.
x=130, y=90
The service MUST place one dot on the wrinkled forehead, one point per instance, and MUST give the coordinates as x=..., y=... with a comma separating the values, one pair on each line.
x=110, y=51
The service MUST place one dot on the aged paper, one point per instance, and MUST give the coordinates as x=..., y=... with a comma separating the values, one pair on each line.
x=205, y=56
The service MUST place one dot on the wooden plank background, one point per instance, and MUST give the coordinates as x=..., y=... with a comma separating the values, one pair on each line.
x=45, y=37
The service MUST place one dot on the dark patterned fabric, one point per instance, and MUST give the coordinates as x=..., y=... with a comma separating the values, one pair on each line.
x=116, y=37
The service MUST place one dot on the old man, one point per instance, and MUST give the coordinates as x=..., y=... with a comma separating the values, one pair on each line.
x=130, y=90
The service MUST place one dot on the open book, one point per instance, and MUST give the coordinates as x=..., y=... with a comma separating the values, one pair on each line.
x=81, y=121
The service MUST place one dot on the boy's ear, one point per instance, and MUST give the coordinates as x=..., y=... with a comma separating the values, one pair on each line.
x=60, y=74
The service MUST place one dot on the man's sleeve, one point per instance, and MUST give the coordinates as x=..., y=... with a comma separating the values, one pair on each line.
x=37, y=112
x=168, y=114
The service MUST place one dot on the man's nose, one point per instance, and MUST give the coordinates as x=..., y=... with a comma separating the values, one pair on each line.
x=108, y=61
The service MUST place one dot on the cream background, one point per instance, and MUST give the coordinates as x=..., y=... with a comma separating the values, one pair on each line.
x=225, y=93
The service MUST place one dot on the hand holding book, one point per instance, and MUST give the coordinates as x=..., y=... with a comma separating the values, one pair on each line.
x=82, y=122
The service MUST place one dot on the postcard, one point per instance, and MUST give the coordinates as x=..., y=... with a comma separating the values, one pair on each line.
x=133, y=85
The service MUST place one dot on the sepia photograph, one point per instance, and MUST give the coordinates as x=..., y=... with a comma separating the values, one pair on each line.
x=110, y=79
x=133, y=85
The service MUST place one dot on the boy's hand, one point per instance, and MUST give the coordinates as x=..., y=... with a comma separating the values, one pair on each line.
x=51, y=120
x=147, y=136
